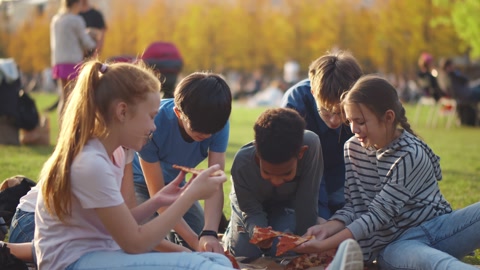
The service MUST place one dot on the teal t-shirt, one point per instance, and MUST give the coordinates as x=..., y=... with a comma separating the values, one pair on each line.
x=168, y=146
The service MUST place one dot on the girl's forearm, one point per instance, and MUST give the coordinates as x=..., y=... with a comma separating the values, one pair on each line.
x=166, y=246
x=153, y=232
x=145, y=210
x=335, y=240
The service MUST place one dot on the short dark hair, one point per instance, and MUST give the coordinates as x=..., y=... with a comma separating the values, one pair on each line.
x=279, y=134
x=206, y=100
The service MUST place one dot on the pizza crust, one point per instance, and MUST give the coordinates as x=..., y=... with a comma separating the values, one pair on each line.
x=193, y=170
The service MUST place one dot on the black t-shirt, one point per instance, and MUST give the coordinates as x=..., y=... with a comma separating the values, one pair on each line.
x=93, y=18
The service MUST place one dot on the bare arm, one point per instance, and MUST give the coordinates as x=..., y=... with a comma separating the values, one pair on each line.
x=144, y=238
x=213, y=209
x=327, y=236
x=128, y=193
x=100, y=40
x=167, y=246
x=155, y=182
x=127, y=188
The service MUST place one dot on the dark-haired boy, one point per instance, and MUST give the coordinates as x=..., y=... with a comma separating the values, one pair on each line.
x=275, y=181
x=190, y=127
x=317, y=100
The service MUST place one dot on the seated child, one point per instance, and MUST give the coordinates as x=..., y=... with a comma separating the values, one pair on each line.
x=275, y=181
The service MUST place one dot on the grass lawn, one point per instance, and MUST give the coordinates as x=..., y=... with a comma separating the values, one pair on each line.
x=458, y=148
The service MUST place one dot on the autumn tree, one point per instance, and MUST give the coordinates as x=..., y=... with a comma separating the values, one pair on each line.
x=245, y=35
x=464, y=19
x=29, y=45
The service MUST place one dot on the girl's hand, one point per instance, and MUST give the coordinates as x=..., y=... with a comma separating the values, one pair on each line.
x=319, y=231
x=312, y=246
x=168, y=194
x=326, y=229
x=204, y=185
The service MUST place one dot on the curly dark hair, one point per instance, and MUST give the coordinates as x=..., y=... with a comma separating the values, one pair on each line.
x=279, y=134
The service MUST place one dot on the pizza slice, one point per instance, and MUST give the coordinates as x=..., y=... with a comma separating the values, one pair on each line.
x=306, y=261
x=261, y=235
x=289, y=241
x=232, y=259
x=193, y=170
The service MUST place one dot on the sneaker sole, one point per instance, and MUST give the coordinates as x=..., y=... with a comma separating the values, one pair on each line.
x=351, y=256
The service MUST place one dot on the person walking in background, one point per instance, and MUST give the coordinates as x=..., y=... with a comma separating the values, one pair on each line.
x=455, y=84
x=69, y=38
x=195, y=127
x=394, y=207
x=82, y=221
x=275, y=182
x=317, y=100
x=94, y=20
x=427, y=77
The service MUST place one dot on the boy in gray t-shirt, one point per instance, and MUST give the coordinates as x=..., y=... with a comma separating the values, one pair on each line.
x=275, y=181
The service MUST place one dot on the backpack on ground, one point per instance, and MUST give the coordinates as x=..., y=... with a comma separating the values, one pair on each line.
x=28, y=117
x=11, y=190
x=8, y=261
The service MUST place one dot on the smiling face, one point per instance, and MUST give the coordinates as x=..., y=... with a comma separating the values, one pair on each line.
x=278, y=174
x=138, y=122
x=367, y=127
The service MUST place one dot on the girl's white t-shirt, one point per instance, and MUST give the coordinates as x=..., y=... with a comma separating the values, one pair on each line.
x=95, y=183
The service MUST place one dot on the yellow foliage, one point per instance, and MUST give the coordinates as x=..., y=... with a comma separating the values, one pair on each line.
x=386, y=35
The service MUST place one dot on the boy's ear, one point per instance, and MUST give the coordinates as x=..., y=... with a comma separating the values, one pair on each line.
x=176, y=111
x=302, y=151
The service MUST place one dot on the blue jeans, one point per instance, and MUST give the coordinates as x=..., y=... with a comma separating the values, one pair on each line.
x=22, y=227
x=436, y=244
x=119, y=260
x=328, y=204
x=194, y=216
x=236, y=238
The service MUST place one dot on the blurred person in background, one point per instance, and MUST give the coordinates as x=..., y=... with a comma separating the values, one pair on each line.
x=69, y=38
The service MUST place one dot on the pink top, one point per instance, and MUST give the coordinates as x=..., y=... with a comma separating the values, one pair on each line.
x=95, y=181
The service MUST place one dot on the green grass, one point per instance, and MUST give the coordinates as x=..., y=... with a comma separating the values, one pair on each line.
x=458, y=148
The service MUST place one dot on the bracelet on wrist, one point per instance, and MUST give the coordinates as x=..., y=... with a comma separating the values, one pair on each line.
x=208, y=233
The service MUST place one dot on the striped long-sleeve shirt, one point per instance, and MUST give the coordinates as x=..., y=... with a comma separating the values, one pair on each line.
x=389, y=190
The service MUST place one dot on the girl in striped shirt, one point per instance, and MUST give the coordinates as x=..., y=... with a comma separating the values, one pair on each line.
x=394, y=208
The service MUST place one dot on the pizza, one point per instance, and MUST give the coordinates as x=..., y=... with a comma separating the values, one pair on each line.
x=232, y=260
x=287, y=241
x=193, y=170
x=306, y=261
x=262, y=234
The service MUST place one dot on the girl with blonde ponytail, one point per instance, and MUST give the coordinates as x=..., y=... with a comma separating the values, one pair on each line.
x=82, y=220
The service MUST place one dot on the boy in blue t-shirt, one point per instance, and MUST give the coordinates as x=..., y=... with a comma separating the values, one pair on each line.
x=317, y=100
x=190, y=127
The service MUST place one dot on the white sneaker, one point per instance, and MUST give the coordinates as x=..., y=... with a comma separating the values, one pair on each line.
x=349, y=256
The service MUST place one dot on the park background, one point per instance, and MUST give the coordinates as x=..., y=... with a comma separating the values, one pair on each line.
x=386, y=36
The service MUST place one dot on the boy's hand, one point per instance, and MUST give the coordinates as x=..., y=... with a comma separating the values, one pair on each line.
x=210, y=243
